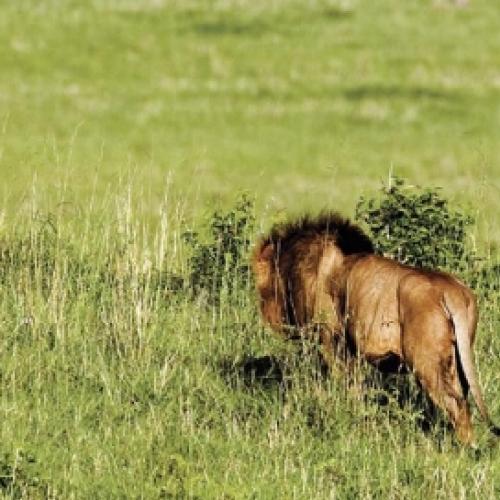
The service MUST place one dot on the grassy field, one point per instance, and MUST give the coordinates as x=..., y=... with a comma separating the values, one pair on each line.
x=307, y=103
x=123, y=123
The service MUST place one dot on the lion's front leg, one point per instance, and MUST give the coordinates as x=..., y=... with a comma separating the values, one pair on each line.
x=334, y=350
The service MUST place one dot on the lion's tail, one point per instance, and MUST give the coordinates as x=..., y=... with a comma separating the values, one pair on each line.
x=456, y=305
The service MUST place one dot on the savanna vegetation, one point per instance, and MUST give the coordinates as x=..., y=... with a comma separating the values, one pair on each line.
x=133, y=363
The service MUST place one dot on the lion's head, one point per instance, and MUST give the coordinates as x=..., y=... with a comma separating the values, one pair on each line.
x=291, y=265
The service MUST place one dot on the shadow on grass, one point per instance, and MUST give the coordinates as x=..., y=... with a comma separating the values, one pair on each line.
x=260, y=25
x=336, y=13
x=222, y=27
x=268, y=373
x=265, y=372
x=397, y=92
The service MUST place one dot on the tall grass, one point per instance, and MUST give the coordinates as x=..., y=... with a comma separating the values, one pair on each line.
x=117, y=381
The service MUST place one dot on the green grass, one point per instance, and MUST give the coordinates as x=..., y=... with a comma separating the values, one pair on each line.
x=306, y=103
x=121, y=123
x=114, y=384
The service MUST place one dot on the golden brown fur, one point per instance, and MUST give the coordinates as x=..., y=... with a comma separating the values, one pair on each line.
x=292, y=266
x=393, y=315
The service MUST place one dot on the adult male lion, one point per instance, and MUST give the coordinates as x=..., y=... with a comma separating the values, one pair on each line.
x=293, y=266
x=322, y=272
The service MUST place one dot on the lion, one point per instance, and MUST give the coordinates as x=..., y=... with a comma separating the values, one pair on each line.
x=292, y=266
x=322, y=275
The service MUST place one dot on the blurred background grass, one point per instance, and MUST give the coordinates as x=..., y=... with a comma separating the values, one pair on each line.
x=305, y=103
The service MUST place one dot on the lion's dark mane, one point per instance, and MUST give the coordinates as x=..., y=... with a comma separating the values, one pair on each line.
x=349, y=237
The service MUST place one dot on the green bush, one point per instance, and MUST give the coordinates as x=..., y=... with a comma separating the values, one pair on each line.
x=220, y=265
x=416, y=226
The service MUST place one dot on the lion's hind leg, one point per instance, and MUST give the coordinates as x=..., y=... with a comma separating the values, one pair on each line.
x=434, y=361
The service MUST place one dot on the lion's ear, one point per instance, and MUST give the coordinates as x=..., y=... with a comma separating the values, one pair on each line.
x=264, y=252
x=267, y=251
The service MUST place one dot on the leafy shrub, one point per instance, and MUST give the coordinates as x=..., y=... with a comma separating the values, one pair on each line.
x=416, y=226
x=221, y=264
